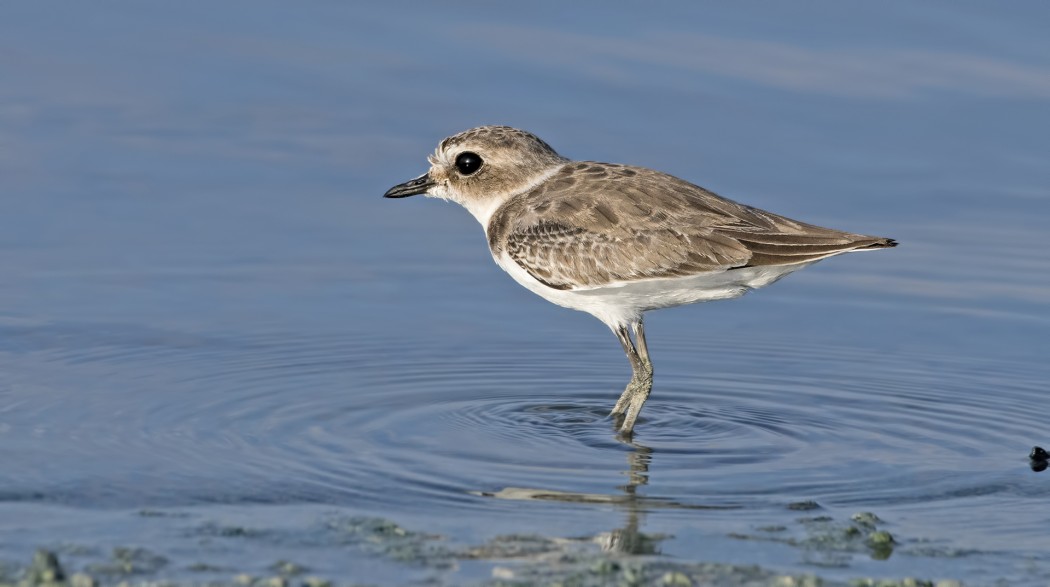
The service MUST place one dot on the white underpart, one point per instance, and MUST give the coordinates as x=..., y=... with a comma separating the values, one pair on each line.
x=624, y=302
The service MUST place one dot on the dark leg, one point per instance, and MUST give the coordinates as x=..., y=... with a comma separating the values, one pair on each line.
x=632, y=399
x=643, y=350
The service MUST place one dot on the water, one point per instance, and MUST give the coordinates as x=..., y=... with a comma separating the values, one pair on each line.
x=216, y=338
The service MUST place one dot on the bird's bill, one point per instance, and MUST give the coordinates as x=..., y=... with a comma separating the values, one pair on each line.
x=412, y=187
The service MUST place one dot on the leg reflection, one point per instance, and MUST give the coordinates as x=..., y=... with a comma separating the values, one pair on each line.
x=630, y=539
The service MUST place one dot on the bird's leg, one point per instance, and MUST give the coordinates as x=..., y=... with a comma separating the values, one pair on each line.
x=636, y=361
x=643, y=350
x=630, y=403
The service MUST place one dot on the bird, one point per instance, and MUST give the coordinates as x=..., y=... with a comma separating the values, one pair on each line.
x=616, y=240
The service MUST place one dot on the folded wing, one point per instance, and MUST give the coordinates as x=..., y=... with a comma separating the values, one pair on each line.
x=596, y=224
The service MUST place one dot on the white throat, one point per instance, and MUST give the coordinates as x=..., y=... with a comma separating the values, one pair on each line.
x=483, y=209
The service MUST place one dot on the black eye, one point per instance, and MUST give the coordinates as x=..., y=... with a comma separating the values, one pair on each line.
x=468, y=162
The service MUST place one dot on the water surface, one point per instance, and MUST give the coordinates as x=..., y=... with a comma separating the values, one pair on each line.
x=210, y=320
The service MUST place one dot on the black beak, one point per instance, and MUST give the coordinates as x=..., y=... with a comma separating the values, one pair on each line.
x=413, y=187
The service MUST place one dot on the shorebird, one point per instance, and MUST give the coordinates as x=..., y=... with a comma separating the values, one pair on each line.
x=616, y=240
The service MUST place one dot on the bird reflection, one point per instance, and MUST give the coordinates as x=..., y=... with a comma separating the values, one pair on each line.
x=628, y=539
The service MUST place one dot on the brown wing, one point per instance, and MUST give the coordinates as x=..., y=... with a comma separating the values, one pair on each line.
x=593, y=224
x=567, y=257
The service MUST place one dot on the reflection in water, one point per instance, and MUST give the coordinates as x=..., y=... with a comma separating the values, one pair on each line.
x=628, y=539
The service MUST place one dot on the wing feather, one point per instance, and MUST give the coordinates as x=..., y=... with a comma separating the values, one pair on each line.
x=595, y=224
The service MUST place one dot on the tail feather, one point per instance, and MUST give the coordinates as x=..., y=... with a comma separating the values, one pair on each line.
x=769, y=255
x=879, y=243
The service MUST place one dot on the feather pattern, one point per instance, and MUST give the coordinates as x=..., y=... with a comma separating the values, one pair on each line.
x=594, y=224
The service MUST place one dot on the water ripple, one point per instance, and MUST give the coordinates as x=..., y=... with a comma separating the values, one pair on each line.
x=342, y=419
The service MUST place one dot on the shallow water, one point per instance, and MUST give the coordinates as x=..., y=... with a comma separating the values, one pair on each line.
x=216, y=337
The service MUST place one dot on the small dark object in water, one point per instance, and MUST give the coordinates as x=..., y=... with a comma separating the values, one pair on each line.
x=1037, y=459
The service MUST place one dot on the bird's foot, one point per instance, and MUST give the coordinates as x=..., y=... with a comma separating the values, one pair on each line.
x=626, y=410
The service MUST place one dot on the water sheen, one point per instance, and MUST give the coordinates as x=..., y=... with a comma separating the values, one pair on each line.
x=209, y=319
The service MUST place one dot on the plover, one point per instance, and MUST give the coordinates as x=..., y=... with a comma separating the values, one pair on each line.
x=616, y=240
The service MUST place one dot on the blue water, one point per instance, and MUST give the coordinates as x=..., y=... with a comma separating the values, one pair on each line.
x=207, y=309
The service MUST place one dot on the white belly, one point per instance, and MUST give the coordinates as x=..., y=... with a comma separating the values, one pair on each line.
x=624, y=302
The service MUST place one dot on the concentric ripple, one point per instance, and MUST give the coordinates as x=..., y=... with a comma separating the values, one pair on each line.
x=279, y=418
